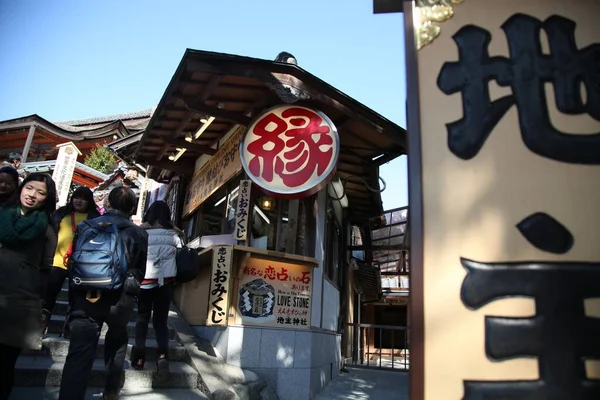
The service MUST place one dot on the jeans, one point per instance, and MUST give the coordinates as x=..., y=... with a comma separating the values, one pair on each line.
x=86, y=322
x=8, y=359
x=155, y=301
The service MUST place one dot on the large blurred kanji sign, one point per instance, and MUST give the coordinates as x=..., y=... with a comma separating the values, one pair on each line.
x=290, y=151
x=504, y=161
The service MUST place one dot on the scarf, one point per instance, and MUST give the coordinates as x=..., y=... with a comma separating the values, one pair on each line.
x=18, y=230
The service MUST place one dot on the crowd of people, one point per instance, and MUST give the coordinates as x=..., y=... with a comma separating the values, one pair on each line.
x=37, y=243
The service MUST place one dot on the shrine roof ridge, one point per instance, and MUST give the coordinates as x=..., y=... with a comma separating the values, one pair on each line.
x=110, y=118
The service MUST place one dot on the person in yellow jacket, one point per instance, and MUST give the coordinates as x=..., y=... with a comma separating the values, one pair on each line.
x=80, y=207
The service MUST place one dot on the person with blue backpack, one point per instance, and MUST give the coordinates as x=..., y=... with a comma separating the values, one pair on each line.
x=80, y=207
x=106, y=267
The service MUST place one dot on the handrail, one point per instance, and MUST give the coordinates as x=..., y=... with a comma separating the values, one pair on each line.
x=401, y=328
x=365, y=346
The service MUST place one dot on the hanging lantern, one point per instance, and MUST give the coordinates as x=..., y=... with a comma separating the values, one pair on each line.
x=266, y=203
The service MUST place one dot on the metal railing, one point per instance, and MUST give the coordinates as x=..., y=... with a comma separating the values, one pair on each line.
x=380, y=346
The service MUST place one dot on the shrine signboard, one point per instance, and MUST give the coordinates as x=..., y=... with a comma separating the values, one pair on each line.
x=276, y=294
x=220, y=284
x=212, y=175
x=290, y=151
x=504, y=161
x=63, y=170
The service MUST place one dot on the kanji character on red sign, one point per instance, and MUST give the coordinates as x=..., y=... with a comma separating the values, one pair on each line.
x=283, y=275
x=304, y=154
x=270, y=139
x=305, y=277
x=295, y=159
x=270, y=273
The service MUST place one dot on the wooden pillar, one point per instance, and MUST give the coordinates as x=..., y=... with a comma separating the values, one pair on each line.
x=28, y=142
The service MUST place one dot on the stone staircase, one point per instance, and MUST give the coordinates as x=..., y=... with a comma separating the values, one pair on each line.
x=197, y=370
x=39, y=372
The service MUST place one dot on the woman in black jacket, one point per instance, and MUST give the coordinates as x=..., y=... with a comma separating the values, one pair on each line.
x=9, y=181
x=27, y=240
x=80, y=207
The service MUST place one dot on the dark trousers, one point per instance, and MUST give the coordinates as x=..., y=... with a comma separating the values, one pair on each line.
x=56, y=278
x=86, y=322
x=155, y=301
x=8, y=359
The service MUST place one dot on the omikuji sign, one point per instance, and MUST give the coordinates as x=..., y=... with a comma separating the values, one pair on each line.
x=504, y=125
x=290, y=151
x=218, y=307
x=242, y=212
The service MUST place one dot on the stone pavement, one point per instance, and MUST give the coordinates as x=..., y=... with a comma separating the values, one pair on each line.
x=51, y=393
x=363, y=384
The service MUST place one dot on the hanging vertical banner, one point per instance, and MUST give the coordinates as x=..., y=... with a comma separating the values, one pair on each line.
x=63, y=170
x=243, y=210
x=504, y=125
x=218, y=304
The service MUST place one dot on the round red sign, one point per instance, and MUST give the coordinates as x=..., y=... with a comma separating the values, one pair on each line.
x=290, y=151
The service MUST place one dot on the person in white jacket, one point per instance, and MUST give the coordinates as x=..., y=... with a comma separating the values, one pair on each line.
x=156, y=291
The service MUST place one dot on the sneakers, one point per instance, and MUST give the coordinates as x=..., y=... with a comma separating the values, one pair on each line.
x=162, y=368
x=138, y=358
x=45, y=321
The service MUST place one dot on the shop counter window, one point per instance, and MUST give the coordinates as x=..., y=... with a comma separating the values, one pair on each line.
x=269, y=228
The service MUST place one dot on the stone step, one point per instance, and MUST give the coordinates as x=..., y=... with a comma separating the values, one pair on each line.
x=56, y=346
x=51, y=393
x=57, y=323
x=47, y=371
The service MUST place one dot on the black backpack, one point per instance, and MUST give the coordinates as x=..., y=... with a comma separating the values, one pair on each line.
x=187, y=264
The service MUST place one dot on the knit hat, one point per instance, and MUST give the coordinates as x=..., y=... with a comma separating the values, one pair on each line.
x=12, y=172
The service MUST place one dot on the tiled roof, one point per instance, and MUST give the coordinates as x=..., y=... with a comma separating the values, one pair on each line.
x=97, y=120
x=48, y=165
x=121, y=168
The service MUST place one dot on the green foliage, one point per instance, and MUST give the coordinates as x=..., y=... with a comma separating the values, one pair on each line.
x=101, y=160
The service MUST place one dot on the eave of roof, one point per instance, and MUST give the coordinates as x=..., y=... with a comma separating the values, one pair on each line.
x=67, y=132
x=373, y=139
x=44, y=166
x=92, y=128
x=117, y=117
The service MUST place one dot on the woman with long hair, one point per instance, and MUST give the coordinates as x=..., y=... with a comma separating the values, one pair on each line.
x=156, y=291
x=27, y=240
x=80, y=207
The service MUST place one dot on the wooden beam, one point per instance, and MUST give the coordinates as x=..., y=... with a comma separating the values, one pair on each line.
x=28, y=142
x=230, y=116
x=360, y=172
x=210, y=87
x=382, y=247
x=387, y=6
x=383, y=159
x=171, y=166
x=198, y=148
x=371, y=146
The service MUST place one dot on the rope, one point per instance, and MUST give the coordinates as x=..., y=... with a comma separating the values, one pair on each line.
x=364, y=181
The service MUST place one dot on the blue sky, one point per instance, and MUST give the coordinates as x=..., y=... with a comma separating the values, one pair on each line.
x=72, y=59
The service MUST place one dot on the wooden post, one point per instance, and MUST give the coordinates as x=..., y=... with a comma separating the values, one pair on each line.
x=28, y=142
